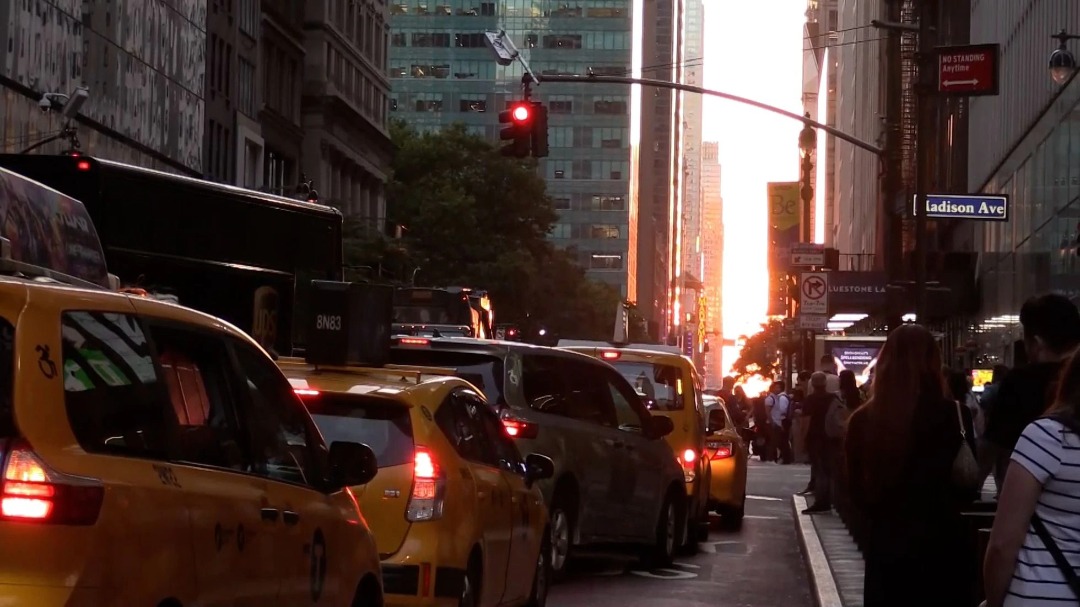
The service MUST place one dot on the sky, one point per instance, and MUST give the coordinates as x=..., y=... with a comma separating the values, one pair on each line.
x=753, y=48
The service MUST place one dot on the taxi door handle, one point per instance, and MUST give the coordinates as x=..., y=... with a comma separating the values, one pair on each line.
x=290, y=517
x=269, y=514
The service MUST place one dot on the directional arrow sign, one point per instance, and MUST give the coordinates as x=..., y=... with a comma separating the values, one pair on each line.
x=814, y=293
x=970, y=70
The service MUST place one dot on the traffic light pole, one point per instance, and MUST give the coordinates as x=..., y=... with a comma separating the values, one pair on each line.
x=865, y=145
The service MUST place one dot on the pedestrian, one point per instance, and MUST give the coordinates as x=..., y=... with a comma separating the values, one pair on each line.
x=818, y=443
x=778, y=405
x=902, y=448
x=1051, y=325
x=828, y=366
x=852, y=397
x=988, y=452
x=1034, y=547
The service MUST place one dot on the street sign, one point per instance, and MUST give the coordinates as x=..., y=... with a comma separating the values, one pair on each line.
x=958, y=206
x=814, y=322
x=814, y=293
x=970, y=70
x=808, y=254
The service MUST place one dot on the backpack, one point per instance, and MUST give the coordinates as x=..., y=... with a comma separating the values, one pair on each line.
x=836, y=418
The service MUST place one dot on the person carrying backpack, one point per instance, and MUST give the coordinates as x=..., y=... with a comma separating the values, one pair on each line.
x=778, y=405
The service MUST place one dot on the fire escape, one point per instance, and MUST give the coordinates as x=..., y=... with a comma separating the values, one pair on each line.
x=909, y=77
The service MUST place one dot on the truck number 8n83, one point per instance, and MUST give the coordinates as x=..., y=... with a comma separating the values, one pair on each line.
x=326, y=322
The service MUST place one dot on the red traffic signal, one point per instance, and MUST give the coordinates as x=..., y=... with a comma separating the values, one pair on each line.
x=519, y=132
x=520, y=113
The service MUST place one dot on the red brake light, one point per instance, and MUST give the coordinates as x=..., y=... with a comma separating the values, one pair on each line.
x=305, y=392
x=689, y=456
x=83, y=165
x=517, y=427
x=414, y=341
x=610, y=355
x=718, y=450
x=429, y=485
x=30, y=491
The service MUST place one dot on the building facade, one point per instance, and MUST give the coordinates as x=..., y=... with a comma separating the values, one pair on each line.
x=143, y=63
x=861, y=112
x=819, y=100
x=692, y=124
x=442, y=73
x=1031, y=154
x=346, y=104
x=712, y=248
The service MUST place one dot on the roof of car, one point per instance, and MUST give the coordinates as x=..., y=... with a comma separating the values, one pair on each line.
x=405, y=384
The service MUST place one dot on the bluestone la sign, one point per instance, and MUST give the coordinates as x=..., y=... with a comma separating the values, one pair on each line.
x=958, y=206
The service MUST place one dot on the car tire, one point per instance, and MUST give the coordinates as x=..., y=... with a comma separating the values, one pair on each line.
x=561, y=536
x=662, y=552
x=470, y=590
x=542, y=576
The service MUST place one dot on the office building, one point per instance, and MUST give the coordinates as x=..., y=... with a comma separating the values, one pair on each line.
x=712, y=241
x=442, y=73
x=819, y=100
x=860, y=111
x=146, y=91
x=692, y=125
x=1027, y=155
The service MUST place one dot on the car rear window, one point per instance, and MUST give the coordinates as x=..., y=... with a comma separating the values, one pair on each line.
x=659, y=386
x=7, y=379
x=485, y=371
x=385, y=427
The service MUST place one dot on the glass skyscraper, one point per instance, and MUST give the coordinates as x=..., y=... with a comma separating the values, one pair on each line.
x=443, y=73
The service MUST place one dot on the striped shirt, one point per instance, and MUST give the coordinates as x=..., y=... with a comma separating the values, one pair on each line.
x=1051, y=453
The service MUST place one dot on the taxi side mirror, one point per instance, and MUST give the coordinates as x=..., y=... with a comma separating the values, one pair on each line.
x=350, y=464
x=537, y=468
x=660, y=426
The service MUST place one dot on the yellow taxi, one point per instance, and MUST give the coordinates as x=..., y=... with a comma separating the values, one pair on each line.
x=458, y=517
x=670, y=386
x=154, y=455
x=728, y=456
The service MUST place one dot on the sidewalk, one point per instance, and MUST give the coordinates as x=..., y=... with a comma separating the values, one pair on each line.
x=834, y=562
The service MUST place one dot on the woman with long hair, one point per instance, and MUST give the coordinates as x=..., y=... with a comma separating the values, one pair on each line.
x=1038, y=514
x=900, y=450
x=849, y=390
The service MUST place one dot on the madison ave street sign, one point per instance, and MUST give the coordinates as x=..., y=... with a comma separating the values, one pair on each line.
x=955, y=206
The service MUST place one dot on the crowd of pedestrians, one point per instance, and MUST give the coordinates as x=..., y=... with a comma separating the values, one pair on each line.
x=911, y=449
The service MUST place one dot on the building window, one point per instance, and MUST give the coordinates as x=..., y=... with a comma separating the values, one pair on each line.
x=561, y=106
x=249, y=17
x=431, y=40
x=429, y=102
x=608, y=203
x=472, y=105
x=398, y=40
x=561, y=230
x=604, y=231
x=246, y=86
x=609, y=105
x=564, y=41
x=605, y=261
x=561, y=204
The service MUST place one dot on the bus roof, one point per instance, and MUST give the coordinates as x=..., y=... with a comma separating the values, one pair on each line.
x=580, y=343
x=50, y=230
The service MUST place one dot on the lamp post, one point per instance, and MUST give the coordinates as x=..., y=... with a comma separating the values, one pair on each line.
x=807, y=147
x=1062, y=62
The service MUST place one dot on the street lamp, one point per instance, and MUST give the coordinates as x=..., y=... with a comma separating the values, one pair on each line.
x=1062, y=62
x=807, y=147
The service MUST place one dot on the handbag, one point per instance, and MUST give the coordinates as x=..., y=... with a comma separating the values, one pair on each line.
x=965, y=468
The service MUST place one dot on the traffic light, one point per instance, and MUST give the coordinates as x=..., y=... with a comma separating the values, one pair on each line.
x=539, y=130
x=520, y=132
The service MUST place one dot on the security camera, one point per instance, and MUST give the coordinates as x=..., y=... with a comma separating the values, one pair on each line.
x=45, y=103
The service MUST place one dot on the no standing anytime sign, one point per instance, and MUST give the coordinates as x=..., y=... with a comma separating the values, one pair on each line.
x=970, y=70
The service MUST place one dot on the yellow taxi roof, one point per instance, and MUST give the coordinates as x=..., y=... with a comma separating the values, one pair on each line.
x=405, y=385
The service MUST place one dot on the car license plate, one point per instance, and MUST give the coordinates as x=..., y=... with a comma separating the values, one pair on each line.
x=714, y=444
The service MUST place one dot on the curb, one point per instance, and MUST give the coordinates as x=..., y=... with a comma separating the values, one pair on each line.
x=822, y=583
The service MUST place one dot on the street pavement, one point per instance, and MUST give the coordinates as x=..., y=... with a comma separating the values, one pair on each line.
x=760, y=565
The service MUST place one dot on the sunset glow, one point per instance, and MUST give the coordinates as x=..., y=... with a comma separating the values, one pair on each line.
x=754, y=50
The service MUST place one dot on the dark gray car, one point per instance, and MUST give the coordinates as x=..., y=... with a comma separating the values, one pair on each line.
x=616, y=480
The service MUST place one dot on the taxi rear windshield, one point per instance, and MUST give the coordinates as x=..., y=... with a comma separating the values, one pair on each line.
x=659, y=386
x=485, y=371
x=385, y=427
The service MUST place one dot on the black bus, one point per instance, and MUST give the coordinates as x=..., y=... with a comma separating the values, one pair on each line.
x=241, y=255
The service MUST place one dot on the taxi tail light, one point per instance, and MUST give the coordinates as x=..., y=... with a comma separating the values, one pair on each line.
x=720, y=451
x=428, y=489
x=687, y=459
x=517, y=427
x=32, y=492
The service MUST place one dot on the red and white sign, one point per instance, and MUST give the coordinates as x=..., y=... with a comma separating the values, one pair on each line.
x=814, y=293
x=970, y=70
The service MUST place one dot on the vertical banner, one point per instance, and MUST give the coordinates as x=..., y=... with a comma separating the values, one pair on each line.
x=783, y=234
